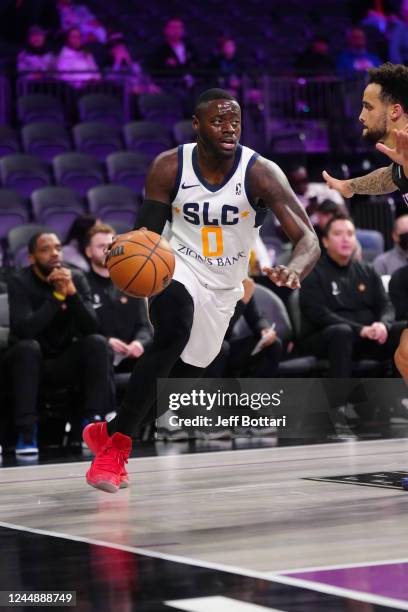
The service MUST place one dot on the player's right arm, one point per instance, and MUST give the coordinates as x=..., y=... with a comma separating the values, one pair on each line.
x=378, y=182
x=159, y=192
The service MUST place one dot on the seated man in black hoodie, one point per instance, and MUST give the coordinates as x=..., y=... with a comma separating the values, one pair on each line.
x=53, y=336
x=123, y=320
x=346, y=312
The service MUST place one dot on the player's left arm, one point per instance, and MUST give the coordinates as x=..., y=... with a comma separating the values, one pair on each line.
x=268, y=185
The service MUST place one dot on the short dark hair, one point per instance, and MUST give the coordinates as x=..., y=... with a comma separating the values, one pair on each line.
x=212, y=94
x=393, y=80
x=32, y=243
x=338, y=217
x=327, y=207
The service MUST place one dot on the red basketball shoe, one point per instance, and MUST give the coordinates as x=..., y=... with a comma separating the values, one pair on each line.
x=95, y=436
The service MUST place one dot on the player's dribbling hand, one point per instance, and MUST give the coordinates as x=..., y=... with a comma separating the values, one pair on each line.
x=115, y=239
x=283, y=276
x=342, y=186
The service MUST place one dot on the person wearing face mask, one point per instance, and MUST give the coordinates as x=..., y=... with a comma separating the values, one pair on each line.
x=395, y=258
x=398, y=289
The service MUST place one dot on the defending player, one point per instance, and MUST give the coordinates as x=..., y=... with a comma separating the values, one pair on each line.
x=385, y=120
x=213, y=194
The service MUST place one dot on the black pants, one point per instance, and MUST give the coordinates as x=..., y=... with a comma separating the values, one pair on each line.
x=87, y=362
x=235, y=359
x=171, y=313
x=340, y=345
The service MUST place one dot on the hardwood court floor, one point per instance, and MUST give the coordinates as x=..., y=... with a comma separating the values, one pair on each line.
x=253, y=513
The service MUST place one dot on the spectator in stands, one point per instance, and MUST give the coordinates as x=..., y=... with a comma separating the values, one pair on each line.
x=398, y=290
x=228, y=66
x=36, y=58
x=77, y=239
x=345, y=310
x=324, y=213
x=75, y=63
x=398, y=37
x=122, y=319
x=79, y=16
x=121, y=65
x=395, y=258
x=316, y=59
x=356, y=58
x=53, y=335
x=176, y=56
x=312, y=194
x=236, y=357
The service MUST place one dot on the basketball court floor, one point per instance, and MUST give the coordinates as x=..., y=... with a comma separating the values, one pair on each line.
x=316, y=528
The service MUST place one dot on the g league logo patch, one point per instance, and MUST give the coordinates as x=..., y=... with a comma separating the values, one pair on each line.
x=238, y=189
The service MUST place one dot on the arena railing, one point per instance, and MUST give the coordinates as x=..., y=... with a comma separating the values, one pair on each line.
x=275, y=107
x=69, y=86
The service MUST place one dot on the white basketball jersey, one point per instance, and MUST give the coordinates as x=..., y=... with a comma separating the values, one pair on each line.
x=213, y=227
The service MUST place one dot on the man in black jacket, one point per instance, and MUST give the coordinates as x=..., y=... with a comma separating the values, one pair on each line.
x=53, y=336
x=122, y=320
x=346, y=312
x=175, y=57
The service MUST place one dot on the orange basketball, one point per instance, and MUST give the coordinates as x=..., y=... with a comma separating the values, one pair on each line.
x=141, y=263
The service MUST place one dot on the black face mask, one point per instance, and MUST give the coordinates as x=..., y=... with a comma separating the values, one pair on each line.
x=403, y=241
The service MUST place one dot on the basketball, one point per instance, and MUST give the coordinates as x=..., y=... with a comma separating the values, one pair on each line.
x=141, y=263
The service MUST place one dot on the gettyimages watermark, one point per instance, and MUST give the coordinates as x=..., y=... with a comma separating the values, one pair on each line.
x=219, y=400
x=301, y=408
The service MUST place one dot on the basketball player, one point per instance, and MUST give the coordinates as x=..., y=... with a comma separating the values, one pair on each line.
x=213, y=195
x=385, y=120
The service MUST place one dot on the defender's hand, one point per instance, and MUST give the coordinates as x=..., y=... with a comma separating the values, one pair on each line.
x=342, y=186
x=398, y=154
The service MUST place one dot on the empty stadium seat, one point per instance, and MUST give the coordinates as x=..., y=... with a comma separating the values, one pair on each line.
x=183, y=132
x=23, y=173
x=160, y=108
x=45, y=140
x=147, y=137
x=128, y=168
x=8, y=141
x=113, y=203
x=98, y=139
x=36, y=108
x=102, y=108
x=77, y=171
x=18, y=239
x=56, y=207
x=121, y=227
x=372, y=243
x=13, y=211
x=275, y=311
